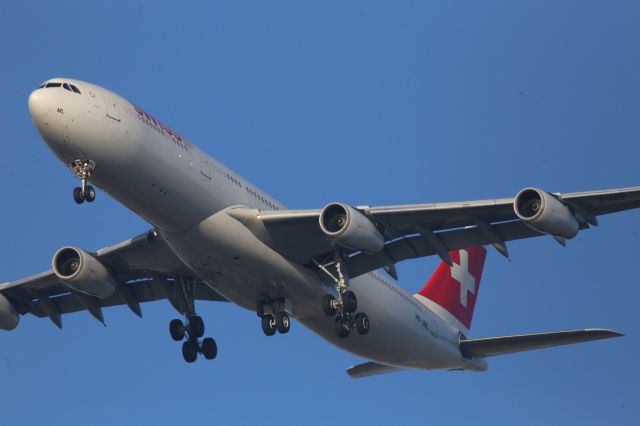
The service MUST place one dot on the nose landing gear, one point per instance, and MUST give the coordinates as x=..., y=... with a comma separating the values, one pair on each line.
x=82, y=170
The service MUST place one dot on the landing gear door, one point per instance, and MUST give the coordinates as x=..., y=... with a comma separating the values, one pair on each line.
x=113, y=111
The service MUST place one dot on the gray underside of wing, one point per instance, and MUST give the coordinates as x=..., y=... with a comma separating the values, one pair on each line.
x=297, y=235
x=495, y=346
x=144, y=268
x=370, y=369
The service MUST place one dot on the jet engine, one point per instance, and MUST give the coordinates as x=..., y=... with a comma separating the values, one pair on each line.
x=350, y=228
x=9, y=318
x=82, y=272
x=545, y=213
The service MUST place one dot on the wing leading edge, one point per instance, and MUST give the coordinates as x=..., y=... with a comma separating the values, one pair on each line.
x=412, y=231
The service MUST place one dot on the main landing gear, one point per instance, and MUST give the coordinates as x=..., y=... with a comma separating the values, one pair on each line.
x=278, y=321
x=192, y=329
x=82, y=170
x=345, y=304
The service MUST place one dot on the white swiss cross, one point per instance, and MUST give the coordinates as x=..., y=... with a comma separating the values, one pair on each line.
x=461, y=274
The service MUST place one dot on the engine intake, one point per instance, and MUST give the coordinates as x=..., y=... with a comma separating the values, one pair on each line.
x=544, y=213
x=82, y=272
x=9, y=318
x=350, y=228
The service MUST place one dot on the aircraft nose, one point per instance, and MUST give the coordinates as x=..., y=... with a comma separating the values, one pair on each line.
x=37, y=106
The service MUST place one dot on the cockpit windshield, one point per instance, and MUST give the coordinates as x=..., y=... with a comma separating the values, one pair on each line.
x=66, y=86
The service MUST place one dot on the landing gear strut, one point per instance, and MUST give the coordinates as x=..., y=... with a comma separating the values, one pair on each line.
x=192, y=329
x=82, y=170
x=345, y=304
x=278, y=321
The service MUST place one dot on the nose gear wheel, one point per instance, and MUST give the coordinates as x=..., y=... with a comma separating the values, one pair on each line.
x=82, y=169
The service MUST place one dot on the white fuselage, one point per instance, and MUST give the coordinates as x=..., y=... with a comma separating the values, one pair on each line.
x=186, y=195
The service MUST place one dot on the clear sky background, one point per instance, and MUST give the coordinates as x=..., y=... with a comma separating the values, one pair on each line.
x=357, y=101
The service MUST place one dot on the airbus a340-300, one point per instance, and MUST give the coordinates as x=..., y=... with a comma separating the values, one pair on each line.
x=217, y=237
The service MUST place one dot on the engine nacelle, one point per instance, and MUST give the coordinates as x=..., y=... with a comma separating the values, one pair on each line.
x=82, y=272
x=9, y=318
x=545, y=213
x=350, y=228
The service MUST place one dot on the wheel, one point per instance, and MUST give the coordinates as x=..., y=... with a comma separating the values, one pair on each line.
x=342, y=329
x=362, y=323
x=176, y=329
x=209, y=348
x=89, y=194
x=328, y=305
x=196, y=327
x=350, y=301
x=283, y=323
x=190, y=351
x=78, y=196
x=268, y=325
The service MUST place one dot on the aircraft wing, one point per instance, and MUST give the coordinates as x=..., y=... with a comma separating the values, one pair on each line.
x=420, y=230
x=494, y=346
x=144, y=268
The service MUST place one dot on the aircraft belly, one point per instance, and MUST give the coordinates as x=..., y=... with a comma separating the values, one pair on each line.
x=396, y=337
x=233, y=261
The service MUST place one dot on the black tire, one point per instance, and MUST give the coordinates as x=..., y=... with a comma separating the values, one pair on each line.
x=190, y=351
x=268, y=325
x=327, y=305
x=350, y=301
x=362, y=323
x=283, y=322
x=196, y=327
x=89, y=194
x=341, y=328
x=78, y=196
x=176, y=329
x=209, y=348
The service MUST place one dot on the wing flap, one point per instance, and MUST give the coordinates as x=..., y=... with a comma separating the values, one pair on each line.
x=494, y=346
x=147, y=291
x=416, y=246
x=370, y=369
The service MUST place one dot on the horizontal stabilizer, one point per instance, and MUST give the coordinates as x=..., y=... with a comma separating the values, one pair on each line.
x=370, y=369
x=493, y=346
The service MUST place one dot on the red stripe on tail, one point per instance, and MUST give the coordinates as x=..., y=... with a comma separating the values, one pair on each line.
x=455, y=288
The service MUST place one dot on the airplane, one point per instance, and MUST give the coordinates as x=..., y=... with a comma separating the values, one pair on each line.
x=217, y=237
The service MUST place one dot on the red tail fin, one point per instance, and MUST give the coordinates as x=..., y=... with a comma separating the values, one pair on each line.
x=452, y=290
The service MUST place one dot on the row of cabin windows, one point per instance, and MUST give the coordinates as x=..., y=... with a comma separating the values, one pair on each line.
x=261, y=198
x=231, y=178
x=66, y=86
x=396, y=290
x=158, y=129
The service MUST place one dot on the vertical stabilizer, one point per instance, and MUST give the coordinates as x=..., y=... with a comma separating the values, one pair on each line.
x=452, y=290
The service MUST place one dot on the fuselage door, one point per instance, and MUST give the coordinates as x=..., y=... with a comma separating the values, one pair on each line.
x=112, y=108
x=206, y=169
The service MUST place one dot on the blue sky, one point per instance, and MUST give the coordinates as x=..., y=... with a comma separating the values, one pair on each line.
x=363, y=102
